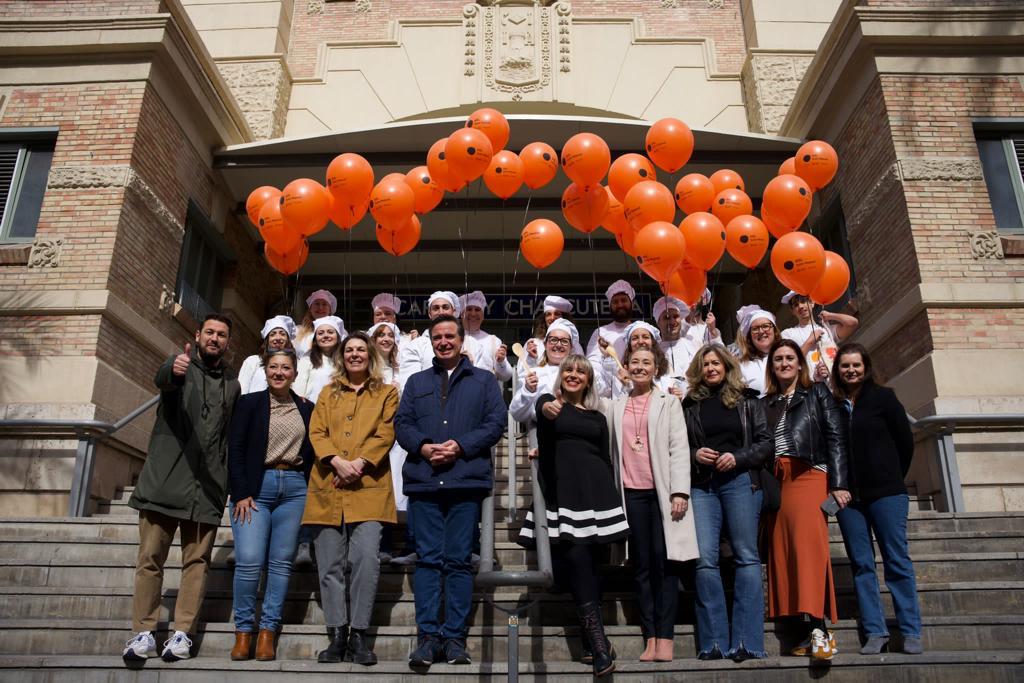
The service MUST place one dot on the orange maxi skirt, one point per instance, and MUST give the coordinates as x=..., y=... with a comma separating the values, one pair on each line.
x=799, y=562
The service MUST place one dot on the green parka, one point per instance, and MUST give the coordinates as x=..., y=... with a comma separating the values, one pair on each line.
x=185, y=475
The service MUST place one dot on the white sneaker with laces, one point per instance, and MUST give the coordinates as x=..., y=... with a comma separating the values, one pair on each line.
x=141, y=646
x=822, y=644
x=177, y=647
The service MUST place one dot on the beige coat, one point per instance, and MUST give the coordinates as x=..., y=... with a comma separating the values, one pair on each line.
x=670, y=464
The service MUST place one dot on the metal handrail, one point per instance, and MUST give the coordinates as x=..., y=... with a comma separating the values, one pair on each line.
x=943, y=427
x=88, y=432
x=487, y=576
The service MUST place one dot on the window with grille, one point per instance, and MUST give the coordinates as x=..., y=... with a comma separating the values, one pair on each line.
x=1001, y=149
x=204, y=256
x=24, y=169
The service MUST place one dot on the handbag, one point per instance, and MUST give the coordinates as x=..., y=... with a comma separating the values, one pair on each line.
x=771, y=498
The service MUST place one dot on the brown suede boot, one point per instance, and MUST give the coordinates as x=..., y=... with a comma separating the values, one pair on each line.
x=243, y=646
x=266, y=649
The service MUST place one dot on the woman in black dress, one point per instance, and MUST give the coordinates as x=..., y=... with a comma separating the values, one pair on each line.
x=585, y=512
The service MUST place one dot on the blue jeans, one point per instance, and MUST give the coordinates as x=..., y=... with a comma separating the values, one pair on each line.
x=728, y=501
x=887, y=518
x=270, y=539
x=443, y=525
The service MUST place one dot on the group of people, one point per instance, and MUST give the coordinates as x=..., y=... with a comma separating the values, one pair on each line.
x=656, y=437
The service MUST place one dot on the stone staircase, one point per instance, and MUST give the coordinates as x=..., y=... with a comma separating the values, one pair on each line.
x=66, y=591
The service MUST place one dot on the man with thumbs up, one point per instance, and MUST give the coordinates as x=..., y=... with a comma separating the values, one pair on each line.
x=183, y=485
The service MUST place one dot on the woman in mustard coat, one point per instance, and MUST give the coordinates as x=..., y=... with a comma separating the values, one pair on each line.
x=351, y=494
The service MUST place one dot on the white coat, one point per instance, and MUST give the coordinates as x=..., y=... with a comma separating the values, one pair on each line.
x=252, y=377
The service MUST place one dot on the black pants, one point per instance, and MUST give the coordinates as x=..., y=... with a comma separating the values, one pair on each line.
x=578, y=566
x=657, y=581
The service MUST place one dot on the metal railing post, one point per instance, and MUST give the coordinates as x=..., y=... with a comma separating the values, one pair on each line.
x=513, y=426
x=78, y=500
x=950, y=470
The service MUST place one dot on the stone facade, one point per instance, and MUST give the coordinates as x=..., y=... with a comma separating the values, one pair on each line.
x=770, y=81
x=262, y=89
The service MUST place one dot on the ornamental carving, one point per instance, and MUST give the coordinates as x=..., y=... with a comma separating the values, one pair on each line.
x=363, y=6
x=45, y=253
x=469, y=22
x=986, y=245
x=940, y=168
x=166, y=299
x=517, y=45
x=79, y=177
x=315, y=7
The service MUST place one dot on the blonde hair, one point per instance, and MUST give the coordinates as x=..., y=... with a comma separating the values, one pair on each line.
x=733, y=384
x=374, y=380
x=392, y=359
x=574, y=361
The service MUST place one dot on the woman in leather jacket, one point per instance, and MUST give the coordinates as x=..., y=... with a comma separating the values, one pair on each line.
x=811, y=466
x=729, y=443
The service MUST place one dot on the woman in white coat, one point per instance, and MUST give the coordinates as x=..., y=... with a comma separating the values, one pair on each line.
x=277, y=334
x=534, y=382
x=757, y=333
x=317, y=368
x=652, y=456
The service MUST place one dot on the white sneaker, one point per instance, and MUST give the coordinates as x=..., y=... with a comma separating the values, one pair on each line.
x=177, y=647
x=405, y=560
x=823, y=646
x=141, y=646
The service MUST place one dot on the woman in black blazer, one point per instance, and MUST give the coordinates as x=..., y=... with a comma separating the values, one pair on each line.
x=269, y=458
x=881, y=446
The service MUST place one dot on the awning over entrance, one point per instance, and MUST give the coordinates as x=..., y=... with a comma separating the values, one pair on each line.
x=471, y=239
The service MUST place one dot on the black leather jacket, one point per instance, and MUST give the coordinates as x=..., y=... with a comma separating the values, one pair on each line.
x=816, y=423
x=757, y=445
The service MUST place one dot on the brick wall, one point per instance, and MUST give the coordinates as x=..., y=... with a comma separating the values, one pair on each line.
x=337, y=21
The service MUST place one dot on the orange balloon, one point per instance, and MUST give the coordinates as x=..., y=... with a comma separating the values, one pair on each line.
x=304, y=206
x=400, y=241
x=788, y=199
x=834, y=281
x=491, y=123
x=350, y=179
x=615, y=217
x=787, y=167
x=257, y=198
x=540, y=164
x=585, y=208
x=440, y=171
x=392, y=202
x=816, y=162
x=627, y=240
x=586, y=158
x=427, y=194
x=705, y=239
x=731, y=203
x=504, y=176
x=660, y=249
x=694, y=192
x=669, y=144
x=687, y=283
x=282, y=238
x=287, y=262
x=725, y=179
x=627, y=171
x=468, y=152
x=648, y=201
x=541, y=242
x=746, y=240
x=346, y=216
x=798, y=261
x=776, y=228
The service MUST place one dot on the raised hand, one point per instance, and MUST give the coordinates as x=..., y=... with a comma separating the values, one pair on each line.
x=181, y=361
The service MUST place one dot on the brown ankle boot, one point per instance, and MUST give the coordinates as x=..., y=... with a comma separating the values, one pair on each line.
x=243, y=646
x=265, y=646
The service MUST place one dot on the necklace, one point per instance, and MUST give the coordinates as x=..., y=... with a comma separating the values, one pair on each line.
x=638, y=443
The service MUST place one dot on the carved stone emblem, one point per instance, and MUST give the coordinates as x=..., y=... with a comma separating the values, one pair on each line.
x=166, y=299
x=45, y=253
x=986, y=245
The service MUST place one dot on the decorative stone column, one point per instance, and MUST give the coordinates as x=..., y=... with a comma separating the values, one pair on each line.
x=262, y=87
x=770, y=80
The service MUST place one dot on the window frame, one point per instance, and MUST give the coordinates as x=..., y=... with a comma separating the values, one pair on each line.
x=202, y=264
x=27, y=141
x=1009, y=131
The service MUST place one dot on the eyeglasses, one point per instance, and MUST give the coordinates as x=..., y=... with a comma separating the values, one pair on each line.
x=767, y=327
x=559, y=343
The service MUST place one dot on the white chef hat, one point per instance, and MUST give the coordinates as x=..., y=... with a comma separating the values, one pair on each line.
x=449, y=297
x=748, y=314
x=667, y=302
x=788, y=296
x=376, y=326
x=332, y=320
x=385, y=300
x=282, y=321
x=570, y=329
x=326, y=296
x=641, y=325
x=557, y=303
x=620, y=287
x=474, y=298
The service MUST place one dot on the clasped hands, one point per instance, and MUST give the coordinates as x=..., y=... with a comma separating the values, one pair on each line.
x=723, y=462
x=346, y=471
x=438, y=454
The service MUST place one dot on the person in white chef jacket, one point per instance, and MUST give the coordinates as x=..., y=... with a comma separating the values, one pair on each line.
x=820, y=348
x=703, y=328
x=493, y=355
x=757, y=332
x=386, y=309
x=319, y=304
x=559, y=341
x=679, y=349
x=418, y=354
x=315, y=370
x=553, y=308
x=639, y=335
x=278, y=333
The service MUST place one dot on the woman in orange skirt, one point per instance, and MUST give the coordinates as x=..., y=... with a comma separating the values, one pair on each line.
x=811, y=467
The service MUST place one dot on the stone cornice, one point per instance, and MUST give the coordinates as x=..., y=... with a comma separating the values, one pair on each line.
x=858, y=35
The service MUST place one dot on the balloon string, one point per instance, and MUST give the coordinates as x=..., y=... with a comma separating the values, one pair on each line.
x=348, y=302
x=711, y=301
x=593, y=276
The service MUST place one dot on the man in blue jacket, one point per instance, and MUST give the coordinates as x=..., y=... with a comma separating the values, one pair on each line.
x=449, y=418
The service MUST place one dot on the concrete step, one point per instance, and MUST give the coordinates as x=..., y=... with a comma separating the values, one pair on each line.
x=975, y=598
x=978, y=667
x=553, y=644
